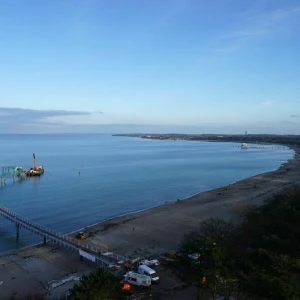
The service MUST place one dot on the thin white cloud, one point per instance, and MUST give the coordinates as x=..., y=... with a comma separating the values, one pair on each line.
x=249, y=33
x=268, y=103
x=30, y=120
x=271, y=17
x=34, y=114
x=286, y=122
x=19, y=116
x=258, y=27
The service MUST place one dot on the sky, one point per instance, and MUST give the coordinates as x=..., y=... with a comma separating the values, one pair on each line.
x=156, y=66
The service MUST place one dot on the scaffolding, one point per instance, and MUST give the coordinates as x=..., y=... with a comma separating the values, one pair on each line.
x=12, y=171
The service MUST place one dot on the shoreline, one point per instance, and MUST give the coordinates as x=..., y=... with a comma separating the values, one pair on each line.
x=166, y=202
x=121, y=234
x=105, y=222
x=193, y=195
x=144, y=233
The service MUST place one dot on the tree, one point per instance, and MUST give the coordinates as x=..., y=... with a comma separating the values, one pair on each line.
x=268, y=250
x=267, y=275
x=30, y=296
x=259, y=258
x=218, y=229
x=98, y=285
x=204, y=264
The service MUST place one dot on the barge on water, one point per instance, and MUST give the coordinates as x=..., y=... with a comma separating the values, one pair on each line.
x=36, y=170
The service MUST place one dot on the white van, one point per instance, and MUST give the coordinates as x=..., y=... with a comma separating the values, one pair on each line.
x=137, y=279
x=143, y=269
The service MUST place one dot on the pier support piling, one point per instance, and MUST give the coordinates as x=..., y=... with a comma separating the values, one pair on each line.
x=17, y=231
x=45, y=240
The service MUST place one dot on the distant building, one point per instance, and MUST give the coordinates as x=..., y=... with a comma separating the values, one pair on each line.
x=246, y=133
x=244, y=146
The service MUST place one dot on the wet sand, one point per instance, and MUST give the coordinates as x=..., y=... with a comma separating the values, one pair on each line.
x=145, y=233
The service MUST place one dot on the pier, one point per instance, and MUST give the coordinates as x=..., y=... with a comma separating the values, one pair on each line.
x=95, y=254
x=11, y=171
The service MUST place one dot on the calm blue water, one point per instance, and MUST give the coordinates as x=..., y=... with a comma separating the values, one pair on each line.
x=118, y=175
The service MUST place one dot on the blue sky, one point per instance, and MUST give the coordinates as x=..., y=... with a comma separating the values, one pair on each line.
x=219, y=66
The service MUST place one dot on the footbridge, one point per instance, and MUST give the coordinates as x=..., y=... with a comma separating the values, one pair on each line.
x=95, y=254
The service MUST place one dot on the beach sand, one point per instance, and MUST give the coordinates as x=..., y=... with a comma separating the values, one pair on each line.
x=145, y=233
x=161, y=228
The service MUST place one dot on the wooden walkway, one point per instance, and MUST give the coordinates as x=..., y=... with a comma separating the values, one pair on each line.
x=95, y=254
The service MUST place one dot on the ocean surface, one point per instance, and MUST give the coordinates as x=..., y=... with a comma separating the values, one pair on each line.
x=118, y=175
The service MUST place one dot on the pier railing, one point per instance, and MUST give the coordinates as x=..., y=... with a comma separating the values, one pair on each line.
x=102, y=257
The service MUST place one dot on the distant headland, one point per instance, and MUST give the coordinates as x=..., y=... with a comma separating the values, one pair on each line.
x=242, y=138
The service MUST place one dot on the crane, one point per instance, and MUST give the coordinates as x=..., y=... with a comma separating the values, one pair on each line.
x=36, y=170
x=34, y=163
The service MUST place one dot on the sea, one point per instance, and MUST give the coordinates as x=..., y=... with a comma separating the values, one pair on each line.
x=91, y=177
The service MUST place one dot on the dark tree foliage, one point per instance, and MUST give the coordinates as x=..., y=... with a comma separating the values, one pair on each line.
x=218, y=229
x=269, y=249
x=98, y=285
x=249, y=138
x=275, y=225
x=202, y=257
x=30, y=296
x=259, y=259
x=267, y=275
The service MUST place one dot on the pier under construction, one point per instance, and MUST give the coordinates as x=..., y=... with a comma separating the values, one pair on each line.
x=12, y=171
x=20, y=172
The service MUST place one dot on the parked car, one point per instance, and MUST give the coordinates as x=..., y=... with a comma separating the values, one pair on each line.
x=149, y=263
x=194, y=256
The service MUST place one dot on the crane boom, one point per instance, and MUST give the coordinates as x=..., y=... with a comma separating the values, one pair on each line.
x=34, y=162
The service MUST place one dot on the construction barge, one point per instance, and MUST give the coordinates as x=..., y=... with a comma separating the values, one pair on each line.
x=36, y=170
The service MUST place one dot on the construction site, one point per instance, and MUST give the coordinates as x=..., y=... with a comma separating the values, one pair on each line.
x=15, y=172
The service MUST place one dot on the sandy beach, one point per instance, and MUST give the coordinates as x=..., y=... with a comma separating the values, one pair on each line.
x=162, y=227
x=145, y=233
